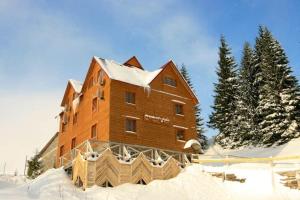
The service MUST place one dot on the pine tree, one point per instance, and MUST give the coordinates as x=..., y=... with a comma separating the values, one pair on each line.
x=34, y=166
x=223, y=115
x=199, y=120
x=246, y=99
x=278, y=105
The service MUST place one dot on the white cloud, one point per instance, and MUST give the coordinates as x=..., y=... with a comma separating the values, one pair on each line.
x=43, y=43
x=170, y=29
x=188, y=42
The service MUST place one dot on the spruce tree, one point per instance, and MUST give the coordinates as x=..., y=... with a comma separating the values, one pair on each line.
x=278, y=105
x=223, y=115
x=34, y=166
x=199, y=120
x=246, y=99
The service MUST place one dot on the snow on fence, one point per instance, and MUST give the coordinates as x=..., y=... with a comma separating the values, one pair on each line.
x=292, y=182
x=196, y=159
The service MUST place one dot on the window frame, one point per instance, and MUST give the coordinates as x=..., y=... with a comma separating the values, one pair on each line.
x=61, y=150
x=177, y=130
x=94, y=106
x=73, y=143
x=132, y=128
x=170, y=81
x=75, y=118
x=130, y=96
x=94, y=127
x=181, y=106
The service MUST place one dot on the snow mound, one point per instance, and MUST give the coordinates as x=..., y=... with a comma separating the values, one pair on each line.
x=191, y=184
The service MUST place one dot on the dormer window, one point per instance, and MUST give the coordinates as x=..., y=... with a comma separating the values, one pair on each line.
x=170, y=81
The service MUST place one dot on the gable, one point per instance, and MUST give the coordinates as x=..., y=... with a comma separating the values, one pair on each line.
x=133, y=62
x=170, y=70
x=72, y=86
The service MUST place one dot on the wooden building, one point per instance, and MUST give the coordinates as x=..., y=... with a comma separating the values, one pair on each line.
x=125, y=105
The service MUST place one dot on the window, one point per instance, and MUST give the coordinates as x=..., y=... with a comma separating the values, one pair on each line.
x=180, y=134
x=179, y=109
x=100, y=94
x=130, y=97
x=91, y=82
x=74, y=95
x=61, y=151
x=94, y=104
x=94, y=131
x=170, y=81
x=63, y=127
x=75, y=118
x=100, y=77
x=130, y=125
x=73, y=143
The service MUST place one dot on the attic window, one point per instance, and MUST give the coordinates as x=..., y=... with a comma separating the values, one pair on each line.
x=170, y=81
x=91, y=82
x=100, y=77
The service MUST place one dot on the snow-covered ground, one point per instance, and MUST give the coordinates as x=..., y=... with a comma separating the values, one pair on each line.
x=193, y=183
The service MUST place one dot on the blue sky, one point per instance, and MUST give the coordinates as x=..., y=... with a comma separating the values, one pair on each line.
x=45, y=43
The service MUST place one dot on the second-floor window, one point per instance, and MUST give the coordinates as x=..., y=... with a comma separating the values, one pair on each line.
x=94, y=131
x=94, y=104
x=180, y=134
x=130, y=97
x=170, y=81
x=179, y=109
x=130, y=125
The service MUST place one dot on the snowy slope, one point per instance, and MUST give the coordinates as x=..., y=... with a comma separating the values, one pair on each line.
x=54, y=184
x=193, y=183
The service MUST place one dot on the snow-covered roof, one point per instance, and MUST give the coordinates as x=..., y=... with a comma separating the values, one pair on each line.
x=77, y=85
x=131, y=75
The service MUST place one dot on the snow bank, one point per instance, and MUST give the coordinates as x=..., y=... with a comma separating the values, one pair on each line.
x=54, y=184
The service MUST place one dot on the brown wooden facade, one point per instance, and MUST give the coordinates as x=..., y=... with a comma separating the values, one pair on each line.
x=160, y=115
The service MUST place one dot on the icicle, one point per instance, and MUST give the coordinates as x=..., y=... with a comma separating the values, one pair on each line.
x=75, y=103
x=147, y=90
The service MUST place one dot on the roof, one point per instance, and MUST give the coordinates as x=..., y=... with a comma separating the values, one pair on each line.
x=77, y=85
x=48, y=144
x=133, y=62
x=131, y=75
